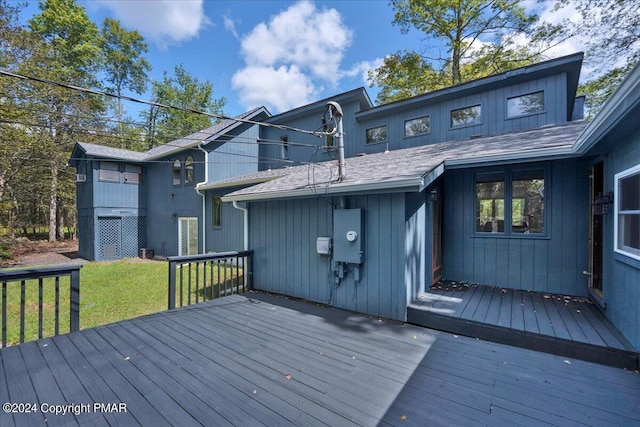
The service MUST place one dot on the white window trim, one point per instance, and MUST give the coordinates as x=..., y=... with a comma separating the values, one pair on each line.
x=616, y=195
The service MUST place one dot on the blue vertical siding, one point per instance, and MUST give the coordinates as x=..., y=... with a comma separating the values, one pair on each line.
x=236, y=156
x=553, y=263
x=494, y=116
x=621, y=281
x=164, y=200
x=283, y=236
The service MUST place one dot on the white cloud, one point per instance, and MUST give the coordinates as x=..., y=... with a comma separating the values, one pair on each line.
x=230, y=26
x=363, y=68
x=302, y=46
x=278, y=89
x=163, y=21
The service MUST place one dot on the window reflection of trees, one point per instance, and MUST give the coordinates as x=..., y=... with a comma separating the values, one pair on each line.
x=525, y=104
x=466, y=116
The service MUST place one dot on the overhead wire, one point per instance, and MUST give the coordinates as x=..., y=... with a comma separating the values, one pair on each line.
x=155, y=103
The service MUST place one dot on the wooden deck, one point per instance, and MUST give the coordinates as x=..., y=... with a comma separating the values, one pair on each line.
x=256, y=359
x=562, y=325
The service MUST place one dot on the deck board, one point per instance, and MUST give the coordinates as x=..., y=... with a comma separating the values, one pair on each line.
x=556, y=324
x=258, y=359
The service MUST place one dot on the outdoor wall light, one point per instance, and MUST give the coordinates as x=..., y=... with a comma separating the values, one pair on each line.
x=174, y=216
x=433, y=195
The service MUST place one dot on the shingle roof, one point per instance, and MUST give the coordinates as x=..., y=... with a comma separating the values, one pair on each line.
x=197, y=137
x=110, y=152
x=177, y=145
x=400, y=168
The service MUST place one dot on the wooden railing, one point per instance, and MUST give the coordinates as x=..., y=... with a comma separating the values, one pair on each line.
x=197, y=278
x=27, y=280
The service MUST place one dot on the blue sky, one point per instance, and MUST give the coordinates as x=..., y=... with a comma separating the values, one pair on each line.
x=280, y=54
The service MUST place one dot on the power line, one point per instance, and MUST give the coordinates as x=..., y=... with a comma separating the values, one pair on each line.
x=156, y=104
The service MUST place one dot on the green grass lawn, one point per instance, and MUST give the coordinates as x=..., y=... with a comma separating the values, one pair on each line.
x=109, y=292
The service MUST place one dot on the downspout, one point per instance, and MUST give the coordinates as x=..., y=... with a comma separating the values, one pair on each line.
x=246, y=223
x=204, y=197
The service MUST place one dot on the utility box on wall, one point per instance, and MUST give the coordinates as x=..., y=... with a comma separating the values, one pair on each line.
x=348, y=236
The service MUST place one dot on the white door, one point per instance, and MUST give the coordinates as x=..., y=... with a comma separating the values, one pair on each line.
x=187, y=236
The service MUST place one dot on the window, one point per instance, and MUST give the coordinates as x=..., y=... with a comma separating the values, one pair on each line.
x=627, y=220
x=377, y=134
x=418, y=126
x=525, y=104
x=132, y=174
x=284, y=147
x=511, y=202
x=188, y=171
x=177, y=172
x=217, y=212
x=109, y=172
x=467, y=116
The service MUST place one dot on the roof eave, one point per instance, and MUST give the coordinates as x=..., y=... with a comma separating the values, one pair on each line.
x=411, y=184
x=231, y=184
x=541, y=154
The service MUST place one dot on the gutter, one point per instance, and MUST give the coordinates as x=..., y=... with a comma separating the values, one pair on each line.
x=204, y=197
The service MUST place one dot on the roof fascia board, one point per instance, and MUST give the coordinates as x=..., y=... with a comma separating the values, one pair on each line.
x=542, y=154
x=359, y=94
x=414, y=184
x=245, y=183
x=625, y=98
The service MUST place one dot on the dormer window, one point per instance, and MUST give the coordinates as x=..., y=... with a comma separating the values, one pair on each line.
x=189, y=177
x=467, y=116
x=177, y=172
x=525, y=104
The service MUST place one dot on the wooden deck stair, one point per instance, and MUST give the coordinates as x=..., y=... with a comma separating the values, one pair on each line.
x=562, y=325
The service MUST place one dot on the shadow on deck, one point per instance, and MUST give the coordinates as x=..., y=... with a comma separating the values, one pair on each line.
x=567, y=326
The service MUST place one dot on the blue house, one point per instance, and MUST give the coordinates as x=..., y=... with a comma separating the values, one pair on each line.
x=130, y=201
x=497, y=181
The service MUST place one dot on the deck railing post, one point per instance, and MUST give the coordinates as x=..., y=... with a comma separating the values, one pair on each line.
x=74, y=309
x=223, y=277
x=172, y=285
x=250, y=274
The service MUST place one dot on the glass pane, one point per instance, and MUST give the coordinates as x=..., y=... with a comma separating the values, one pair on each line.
x=217, y=212
x=525, y=104
x=629, y=229
x=417, y=126
x=377, y=134
x=177, y=172
x=490, y=207
x=193, y=236
x=466, y=116
x=630, y=193
x=188, y=170
x=527, y=203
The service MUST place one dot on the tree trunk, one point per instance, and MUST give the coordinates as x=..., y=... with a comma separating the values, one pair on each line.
x=53, y=203
x=61, y=221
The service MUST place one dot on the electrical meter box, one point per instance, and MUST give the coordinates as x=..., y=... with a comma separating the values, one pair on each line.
x=348, y=236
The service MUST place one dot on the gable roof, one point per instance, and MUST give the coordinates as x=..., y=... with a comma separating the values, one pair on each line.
x=104, y=152
x=411, y=169
x=204, y=135
x=190, y=141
